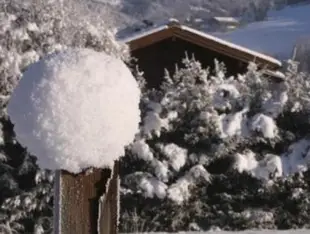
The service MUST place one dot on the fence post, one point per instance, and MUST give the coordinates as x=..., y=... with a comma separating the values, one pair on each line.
x=78, y=207
x=109, y=205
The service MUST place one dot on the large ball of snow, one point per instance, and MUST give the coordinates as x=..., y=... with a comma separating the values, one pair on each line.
x=76, y=109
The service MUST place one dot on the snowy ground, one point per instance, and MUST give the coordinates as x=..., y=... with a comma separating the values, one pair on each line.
x=243, y=232
x=276, y=35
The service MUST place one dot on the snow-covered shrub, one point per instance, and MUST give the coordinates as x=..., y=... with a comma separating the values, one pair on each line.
x=219, y=147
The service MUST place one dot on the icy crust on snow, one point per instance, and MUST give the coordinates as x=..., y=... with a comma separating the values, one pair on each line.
x=76, y=109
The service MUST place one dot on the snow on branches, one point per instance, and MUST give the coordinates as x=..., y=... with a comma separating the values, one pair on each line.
x=200, y=116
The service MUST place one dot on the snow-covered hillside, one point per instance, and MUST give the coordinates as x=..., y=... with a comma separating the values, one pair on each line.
x=134, y=12
x=278, y=34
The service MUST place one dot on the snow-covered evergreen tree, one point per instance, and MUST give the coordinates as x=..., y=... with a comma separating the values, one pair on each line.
x=216, y=151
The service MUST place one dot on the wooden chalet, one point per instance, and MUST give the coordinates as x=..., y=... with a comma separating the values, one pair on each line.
x=223, y=23
x=165, y=46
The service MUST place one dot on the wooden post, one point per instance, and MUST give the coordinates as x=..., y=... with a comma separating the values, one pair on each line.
x=78, y=207
x=109, y=205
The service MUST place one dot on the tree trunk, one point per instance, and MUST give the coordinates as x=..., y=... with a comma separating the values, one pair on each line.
x=77, y=202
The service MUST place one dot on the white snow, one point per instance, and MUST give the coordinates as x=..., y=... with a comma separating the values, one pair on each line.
x=20, y=34
x=220, y=101
x=276, y=103
x=245, y=162
x=277, y=35
x=5, y=22
x=233, y=124
x=152, y=187
x=142, y=150
x=297, y=159
x=3, y=157
x=153, y=123
x=227, y=43
x=264, y=124
x=180, y=190
x=226, y=19
x=28, y=58
x=270, y=165
x=237, y=124
x=177, y=155
x=161, y=170
x=32, y=27
x=76, y=109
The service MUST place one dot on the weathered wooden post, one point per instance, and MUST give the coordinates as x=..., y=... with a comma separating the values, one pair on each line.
x=76, y=111
x=87, y=202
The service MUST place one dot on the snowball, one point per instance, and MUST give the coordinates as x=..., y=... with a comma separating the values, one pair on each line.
x=76, y=109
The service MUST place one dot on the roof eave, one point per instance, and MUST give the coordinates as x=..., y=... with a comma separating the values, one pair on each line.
x=205, y=41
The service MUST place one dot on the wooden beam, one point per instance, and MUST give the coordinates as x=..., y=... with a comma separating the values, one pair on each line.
x=150, y=39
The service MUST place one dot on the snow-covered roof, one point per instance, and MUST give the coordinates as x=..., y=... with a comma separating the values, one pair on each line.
x=226, y=19
x=233, y=46
x=174, y=28
x=144, y=33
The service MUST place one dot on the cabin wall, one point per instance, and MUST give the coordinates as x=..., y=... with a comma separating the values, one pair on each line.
x=153, y=59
